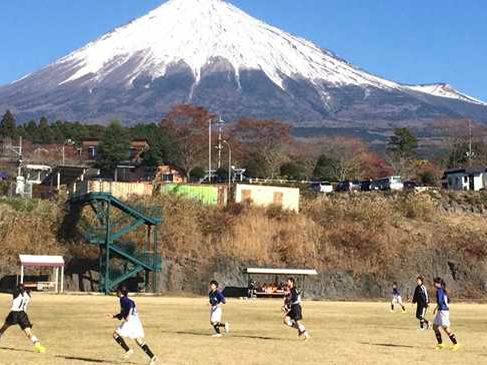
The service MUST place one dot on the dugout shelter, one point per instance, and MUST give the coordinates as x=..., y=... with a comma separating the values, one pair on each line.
x=43, y=261
x=275, y=275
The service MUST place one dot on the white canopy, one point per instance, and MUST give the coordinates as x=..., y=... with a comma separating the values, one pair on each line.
x=55, y=262
x=41, y=261
x=264, y=271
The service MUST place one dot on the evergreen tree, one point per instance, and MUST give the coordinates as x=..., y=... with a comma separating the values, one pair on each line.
x=114, y=148
x=403, y=144
x=31, y=130
x=44, y=133
x=8, y=128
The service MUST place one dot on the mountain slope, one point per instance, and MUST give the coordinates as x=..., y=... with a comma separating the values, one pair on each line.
x=211, y=53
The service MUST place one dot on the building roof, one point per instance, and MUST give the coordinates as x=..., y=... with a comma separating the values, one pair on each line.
x=467, y=171
x=267, y=271
x=41, y=261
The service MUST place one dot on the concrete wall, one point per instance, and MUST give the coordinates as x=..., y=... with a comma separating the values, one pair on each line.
x=287, y=198
x=120, y=190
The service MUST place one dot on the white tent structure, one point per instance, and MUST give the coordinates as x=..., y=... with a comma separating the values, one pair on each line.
x=56, y=262
x=300, y=273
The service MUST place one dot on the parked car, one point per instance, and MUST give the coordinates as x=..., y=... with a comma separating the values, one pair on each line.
x=349, y=186
x=321, y=187
x=366, y=185
x=388, y=183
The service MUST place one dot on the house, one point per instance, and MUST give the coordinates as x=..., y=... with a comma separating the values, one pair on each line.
x=163, y=174
x=474, y=179
x=89, y=149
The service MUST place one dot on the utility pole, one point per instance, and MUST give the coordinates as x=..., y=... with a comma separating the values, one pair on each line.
x=470, y=143
x=220, y=141
x=18, y=151
x=209, y=150
x=229, y=164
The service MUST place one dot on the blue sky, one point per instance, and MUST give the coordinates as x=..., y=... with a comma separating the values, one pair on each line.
x=414, y=41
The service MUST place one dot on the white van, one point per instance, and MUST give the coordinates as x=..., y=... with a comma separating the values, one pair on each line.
x=388, y=183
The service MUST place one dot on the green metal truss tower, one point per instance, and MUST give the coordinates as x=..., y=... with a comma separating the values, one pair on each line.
x=120, y=259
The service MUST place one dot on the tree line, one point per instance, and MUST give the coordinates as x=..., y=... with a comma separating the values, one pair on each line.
x=265, y=148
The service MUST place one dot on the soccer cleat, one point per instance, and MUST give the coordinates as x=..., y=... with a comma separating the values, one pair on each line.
x=128, y=354
x=153, y=360
x=391, y=310
x=217, y=335
x=404, y=310
x=440, y=346
x=455, y=347
x=39, y=348
x=227, y=327
x=306, y=335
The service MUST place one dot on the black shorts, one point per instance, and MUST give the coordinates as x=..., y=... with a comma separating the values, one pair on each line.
x=296, y=313
x=20, y=318
x=420, y=311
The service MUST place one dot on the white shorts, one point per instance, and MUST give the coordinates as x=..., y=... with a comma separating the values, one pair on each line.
x=442, y=319
x=132, y=328
x=216, y=314
x=396, y=299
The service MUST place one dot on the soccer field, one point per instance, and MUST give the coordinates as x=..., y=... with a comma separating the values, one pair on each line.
x=75, y=331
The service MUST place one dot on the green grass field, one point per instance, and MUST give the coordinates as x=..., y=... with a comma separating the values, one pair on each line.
x=75, y=331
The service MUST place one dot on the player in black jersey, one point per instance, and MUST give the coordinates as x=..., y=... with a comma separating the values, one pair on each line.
x=421, y=299
x=18, y=316
x=294, y=312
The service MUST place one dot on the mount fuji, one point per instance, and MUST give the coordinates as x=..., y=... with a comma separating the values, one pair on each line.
x=210, y=53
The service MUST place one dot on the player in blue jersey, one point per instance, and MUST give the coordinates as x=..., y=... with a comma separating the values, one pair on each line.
x=217, y=300
x=293, y=310
x=131, y=326
x=396, y=298
x=18, y=316
x=442, y=319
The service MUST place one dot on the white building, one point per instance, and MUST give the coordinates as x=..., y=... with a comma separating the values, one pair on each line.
x=287, y=198
x=474, y=179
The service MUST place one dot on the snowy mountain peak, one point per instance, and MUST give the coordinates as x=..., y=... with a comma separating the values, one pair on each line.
x=446, y=91
x=197, y=31
x=210, y=53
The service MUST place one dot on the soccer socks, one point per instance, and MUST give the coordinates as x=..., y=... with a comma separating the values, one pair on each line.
x=217, y=326
x=392, y=307
x=146, y=349
x=122, y=343
x=453, y=339
x=438, y=337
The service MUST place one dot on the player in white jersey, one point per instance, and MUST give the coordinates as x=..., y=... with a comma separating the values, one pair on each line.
x=131, y=326
x=18, y=316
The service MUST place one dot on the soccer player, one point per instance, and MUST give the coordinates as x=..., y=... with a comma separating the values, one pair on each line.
x=294, y=312
x=18, y=316
x=217, y=300
x=421, y=299
x=131, y=326
x=442, y=319
x=396, y=298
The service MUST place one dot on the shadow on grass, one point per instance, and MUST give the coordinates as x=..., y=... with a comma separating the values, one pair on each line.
x=206, y=334
x=86, y=359
x=12, y=349
x=388, y=345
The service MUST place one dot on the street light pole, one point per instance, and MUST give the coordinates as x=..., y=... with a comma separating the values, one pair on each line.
x=209, y=150
x=229, y=163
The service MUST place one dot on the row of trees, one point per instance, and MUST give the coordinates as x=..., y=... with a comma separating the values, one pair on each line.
x=265, y=148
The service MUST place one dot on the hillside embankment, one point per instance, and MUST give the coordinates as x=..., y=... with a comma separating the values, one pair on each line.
x=359, y=243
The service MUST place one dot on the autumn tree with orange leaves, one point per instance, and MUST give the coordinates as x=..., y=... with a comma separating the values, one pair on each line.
x=266, y=140
x=188, y=127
